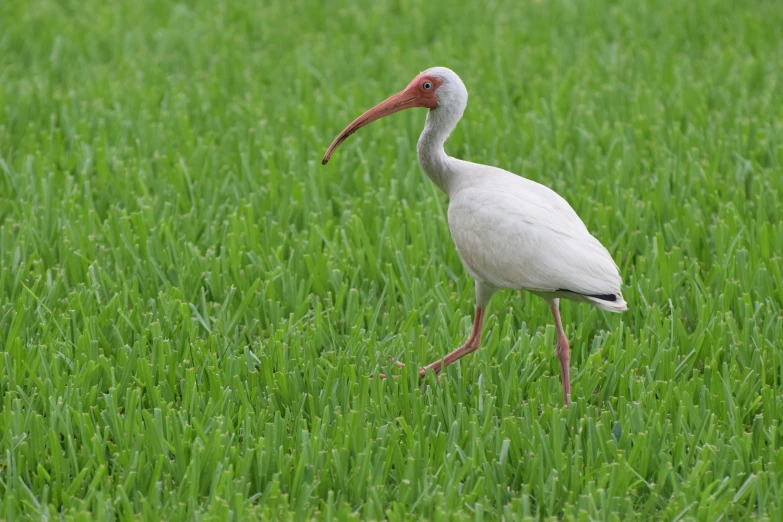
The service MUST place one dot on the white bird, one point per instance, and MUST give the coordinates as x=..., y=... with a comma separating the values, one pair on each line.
x=510, y=232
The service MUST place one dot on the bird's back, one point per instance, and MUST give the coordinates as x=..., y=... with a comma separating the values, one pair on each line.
x=515, y=233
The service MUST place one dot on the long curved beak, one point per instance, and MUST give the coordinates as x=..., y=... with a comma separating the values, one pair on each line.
x=400, y=101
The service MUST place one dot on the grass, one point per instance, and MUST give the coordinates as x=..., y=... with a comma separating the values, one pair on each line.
x=191, y=306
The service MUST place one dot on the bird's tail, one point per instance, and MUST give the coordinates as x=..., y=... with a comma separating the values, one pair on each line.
x=613, y=303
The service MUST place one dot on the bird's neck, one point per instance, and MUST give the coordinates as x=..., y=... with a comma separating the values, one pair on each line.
x=432, y=157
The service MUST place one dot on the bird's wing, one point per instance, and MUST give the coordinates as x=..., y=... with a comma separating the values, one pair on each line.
x=515, y=233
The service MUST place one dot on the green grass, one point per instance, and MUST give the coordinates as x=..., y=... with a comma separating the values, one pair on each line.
x=191, y=306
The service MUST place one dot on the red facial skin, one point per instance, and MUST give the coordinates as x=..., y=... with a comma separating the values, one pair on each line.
x=414, y=95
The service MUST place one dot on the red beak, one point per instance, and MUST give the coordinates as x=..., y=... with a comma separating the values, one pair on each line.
x=406, y=99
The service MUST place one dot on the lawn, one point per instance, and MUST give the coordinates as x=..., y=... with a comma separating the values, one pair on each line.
x=191, y=306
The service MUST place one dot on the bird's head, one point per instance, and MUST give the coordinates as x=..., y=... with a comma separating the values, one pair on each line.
x=437, y=88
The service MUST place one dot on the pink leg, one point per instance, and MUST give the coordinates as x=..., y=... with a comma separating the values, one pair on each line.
x=563, y=351
x=471, y=345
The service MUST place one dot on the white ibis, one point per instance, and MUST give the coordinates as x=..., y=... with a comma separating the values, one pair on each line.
x=509, y=231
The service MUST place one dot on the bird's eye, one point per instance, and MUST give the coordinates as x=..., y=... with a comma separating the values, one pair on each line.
x=426, y=86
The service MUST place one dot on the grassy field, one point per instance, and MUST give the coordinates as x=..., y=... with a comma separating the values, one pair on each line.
x=191, y=306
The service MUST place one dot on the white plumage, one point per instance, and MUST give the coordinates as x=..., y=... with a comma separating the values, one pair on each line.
x=510, y=232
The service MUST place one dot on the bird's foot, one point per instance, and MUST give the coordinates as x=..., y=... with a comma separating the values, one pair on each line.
x=422, y=371
x=399, y=365
x=435, y=367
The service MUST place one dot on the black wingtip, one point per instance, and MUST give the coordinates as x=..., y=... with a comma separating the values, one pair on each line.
x=612, y=298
